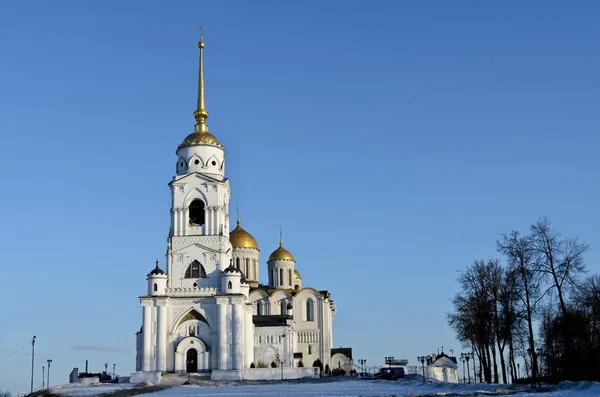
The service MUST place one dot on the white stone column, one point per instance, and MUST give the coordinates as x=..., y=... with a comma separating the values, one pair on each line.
x=248, y=337
x=161, y=336
x=237, y=326
x=146, y=335
x=222, y=348
x=184, y=225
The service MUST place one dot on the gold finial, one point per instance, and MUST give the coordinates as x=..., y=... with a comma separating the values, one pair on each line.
x=201, y=114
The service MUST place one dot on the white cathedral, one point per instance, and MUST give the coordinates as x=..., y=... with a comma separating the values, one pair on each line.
x=208, y=312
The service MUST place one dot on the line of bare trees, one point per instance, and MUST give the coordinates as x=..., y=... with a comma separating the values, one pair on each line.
x=541, y=285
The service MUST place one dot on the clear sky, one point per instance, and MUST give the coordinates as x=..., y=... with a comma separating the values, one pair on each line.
x=393, y=141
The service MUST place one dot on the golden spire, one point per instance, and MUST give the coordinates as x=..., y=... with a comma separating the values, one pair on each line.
x=201, y=114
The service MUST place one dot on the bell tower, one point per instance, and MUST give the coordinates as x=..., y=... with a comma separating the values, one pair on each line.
x=198, y=246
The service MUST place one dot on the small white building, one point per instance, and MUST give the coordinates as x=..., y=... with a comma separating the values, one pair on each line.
x=207, y=311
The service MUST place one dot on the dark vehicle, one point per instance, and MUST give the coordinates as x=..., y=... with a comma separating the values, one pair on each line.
x=389, y=373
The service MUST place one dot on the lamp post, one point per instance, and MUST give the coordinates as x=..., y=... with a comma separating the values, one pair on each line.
x=105, y=368
x=467, y=356
x=422, y=360
x=32, y=360
x=388, y=361
x=519, y=370
x=43, y=377
x=462, y=360
x=362, y=363
x=48, y=383
x=114, y=367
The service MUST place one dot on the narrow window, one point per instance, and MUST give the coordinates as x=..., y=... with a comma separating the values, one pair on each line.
x=310, y=308
x=309, y=349
x=229, y=285
x=237, y=263
x=195, y=270
x=155, y=287
x=259, y=308
x=283, y=307
x=274, y=277
x=290, y=276
x=197, y=212
x=247, y=268
x=281, y=277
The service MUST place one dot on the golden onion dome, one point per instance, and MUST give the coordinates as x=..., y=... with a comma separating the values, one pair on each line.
x=297, y=274
x=281, y=254
x=240, y=238
x=201, y=138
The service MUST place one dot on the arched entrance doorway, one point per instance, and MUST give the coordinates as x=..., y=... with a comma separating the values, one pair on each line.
x=191, y=361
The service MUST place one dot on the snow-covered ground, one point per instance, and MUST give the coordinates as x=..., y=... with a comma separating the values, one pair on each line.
x=74, y=389
x=346, y=388
x=373, y=388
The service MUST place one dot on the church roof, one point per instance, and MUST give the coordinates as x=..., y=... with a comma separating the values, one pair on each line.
x=281, y=254
x=157, y=270
x=271, y=320
x=242, y=239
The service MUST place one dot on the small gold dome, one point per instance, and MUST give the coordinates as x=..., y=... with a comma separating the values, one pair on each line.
x=281, y=254
x=240, y=238
x=297, y=274
x=200, y=138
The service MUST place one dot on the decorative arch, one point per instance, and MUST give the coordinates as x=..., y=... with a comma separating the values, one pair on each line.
x=194, y=194
x=191, y=314
x=202, y=354
x=195, y=270
x=209, y=162
x=193, y=160
x=310, y=310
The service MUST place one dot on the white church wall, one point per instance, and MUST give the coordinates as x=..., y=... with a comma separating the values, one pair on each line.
x=277, y=373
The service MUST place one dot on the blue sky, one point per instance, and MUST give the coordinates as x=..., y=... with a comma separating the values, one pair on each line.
x=393, y=141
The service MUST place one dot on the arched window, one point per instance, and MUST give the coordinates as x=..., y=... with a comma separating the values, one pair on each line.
x=229, y=286
x=195, y=270
x=310, y=310
x=237, y=263
x=290, y=276
x=283, y=306
x=196, y=212
x=274, y=278
x=247, y=268
x=155, y=287
x=281, y=277
x=259, y=308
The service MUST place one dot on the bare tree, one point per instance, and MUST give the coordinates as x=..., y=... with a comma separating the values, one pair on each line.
x=4, y=393
x=519, y=253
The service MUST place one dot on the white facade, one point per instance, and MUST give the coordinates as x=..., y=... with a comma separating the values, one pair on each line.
x=200, y=314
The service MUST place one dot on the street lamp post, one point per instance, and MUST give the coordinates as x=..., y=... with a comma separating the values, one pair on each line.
x=32, y=360
x=422, y=360
x=388, y=361
x=105, y=368
x=467, y=356
x=114, y=367
x=43, y=377
x=362, y=363
x=462, y=360
x=48, y=383
x=519, y=370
